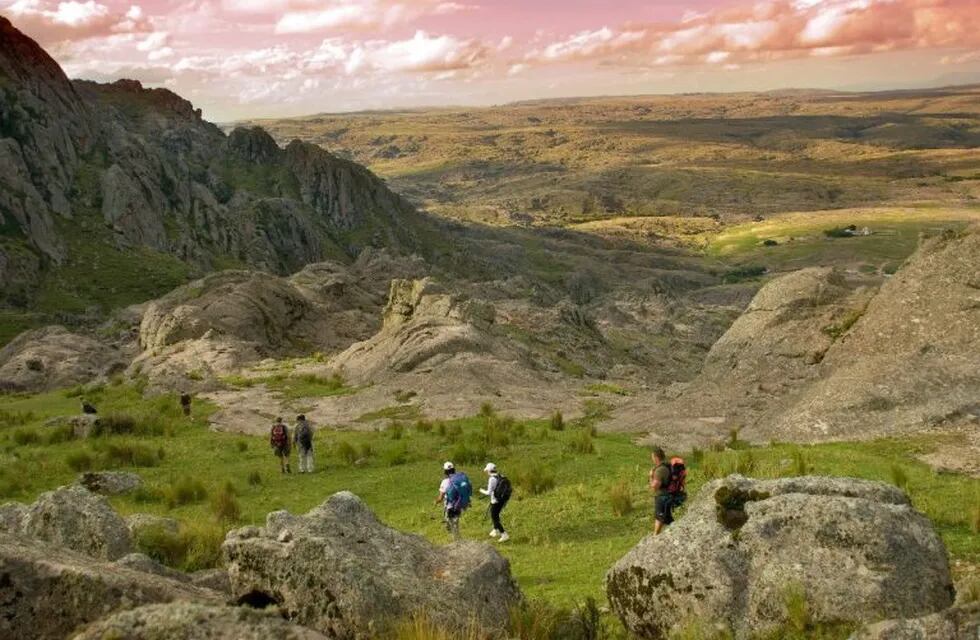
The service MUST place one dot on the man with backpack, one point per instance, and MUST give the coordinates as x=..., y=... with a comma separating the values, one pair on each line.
x=455, y=492
x=499, y=490
x=303, y=437
x=279, y=440
x=667, y=480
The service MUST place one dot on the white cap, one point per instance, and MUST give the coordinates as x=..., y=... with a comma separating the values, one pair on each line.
x=446, y=466
x=490, y=468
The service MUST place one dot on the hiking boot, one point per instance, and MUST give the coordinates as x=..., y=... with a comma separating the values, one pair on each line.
x=504, y=537
x=494, y=533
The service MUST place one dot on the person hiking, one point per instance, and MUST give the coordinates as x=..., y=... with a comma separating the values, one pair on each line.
x=455, y=492
x=185, y=403
x=667, y=482
x=499, y=490
x=303, y=437
x=279, y=440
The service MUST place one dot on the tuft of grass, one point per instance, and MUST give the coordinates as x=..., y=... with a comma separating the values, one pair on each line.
x=395, y=456
x=224, y=504
x=582, y=442
x=800, y=465
x=346, y=452
x=423, y=426
x=535, y=479
x=241, y=446
x=254, y=478
x=129, y=455
x=486, y=410
x=25, y=437
x=80, y=461
x=395, y=430
x=191, y=548
x=620, y=498
x=557, y=422
x=421, y=626
x=796, y=608
x=899, y=477
x=185, y=491
x=463, y=453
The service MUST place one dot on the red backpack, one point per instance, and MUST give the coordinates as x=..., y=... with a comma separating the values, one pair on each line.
x=279, y=439
x=676, y=486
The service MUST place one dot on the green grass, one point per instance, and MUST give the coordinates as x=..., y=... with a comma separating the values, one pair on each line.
x=292, y=387
x=573, y=514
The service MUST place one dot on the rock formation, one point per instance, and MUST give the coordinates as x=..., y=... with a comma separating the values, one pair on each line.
x=52, y=358
x=110, y=483
x=856, y=551
x=956, y=623
x=342, y=572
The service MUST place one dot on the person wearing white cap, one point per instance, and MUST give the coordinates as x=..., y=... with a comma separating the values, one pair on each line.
x=499, y=490
x=454, y=492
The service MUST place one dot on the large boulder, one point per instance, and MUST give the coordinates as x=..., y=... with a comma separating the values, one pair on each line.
x=957, y=623
x=75, y=518
x=339, y=570
x=857, y=549
x=48, y=592
x=110, y=483
x=54, y=357
x=191, y=621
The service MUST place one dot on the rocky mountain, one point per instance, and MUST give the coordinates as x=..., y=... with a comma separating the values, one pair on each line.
x=92, y=171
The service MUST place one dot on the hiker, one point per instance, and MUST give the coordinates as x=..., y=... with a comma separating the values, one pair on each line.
x=499, y=490
x=88, y=408
x=303, y=437
x=455, y=492
x=279, y=440
x=185, y=403
x=667, y=480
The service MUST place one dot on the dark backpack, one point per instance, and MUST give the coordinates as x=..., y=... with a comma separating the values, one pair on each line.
x=460, y=492
x=503, y=490
x=279, y=438
x=304, y=435
x=676, y=485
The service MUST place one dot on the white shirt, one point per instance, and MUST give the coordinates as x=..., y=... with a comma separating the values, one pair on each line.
x=491, y=487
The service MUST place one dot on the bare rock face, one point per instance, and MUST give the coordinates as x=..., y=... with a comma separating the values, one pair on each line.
x=48, y=591
x=957, y=623
x=146, y=564
x=139, y=522
x=77, y=519
x=54, y=357
x=911, y=360
x=110, y=483
x=342, y=572
x=191, y=621
x=856, y=549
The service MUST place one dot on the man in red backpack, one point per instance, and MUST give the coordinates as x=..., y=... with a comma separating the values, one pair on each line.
x=279, y=441
x=667, y=483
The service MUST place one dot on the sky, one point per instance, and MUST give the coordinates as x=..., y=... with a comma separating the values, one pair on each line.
x=271, y=58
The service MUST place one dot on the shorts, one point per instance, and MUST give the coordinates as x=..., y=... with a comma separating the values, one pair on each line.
x=281, y=452
x=453, y=514
x=663, y=508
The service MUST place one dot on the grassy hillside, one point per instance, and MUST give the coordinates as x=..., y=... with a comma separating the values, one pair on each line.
x=580, y=499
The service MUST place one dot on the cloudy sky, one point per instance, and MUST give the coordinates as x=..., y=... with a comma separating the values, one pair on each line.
x=250, y=58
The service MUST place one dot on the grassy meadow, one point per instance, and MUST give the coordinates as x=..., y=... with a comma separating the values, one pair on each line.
x=580, y=497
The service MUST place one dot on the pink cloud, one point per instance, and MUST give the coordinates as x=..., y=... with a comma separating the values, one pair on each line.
x=51, y=21
x=780, y=29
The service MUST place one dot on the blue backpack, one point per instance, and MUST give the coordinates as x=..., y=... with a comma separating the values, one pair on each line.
x=460, y=491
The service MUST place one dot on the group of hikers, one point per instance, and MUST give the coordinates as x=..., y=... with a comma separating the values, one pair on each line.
x=667, y=480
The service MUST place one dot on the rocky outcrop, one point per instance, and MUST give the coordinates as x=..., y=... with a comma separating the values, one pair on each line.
x=146, y=564
x=54, y=357
x=110, y=483
x=74, y=518
x=191, y=621
x=957, y=623
x=48, y=591
x=744, y=545
x=339, y=570
x=140, y=522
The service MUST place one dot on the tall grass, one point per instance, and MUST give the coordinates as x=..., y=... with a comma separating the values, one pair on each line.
x=224, y=504
x=620, y=498
x=535, y=479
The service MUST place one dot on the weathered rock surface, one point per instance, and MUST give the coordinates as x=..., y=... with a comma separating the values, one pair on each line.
x=54, y=357
x=139, y=522
x=77, y=519
x=191, y=621
x=956, y=623
x=214, y=579
x=146, y=564
x=341, y=571
x=857, y=549
x=110, y=483
x=48, y=591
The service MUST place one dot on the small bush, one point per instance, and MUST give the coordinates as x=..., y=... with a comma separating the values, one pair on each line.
x=15, y=418
x=745, y=463
x=224, y=504
x=899, y=477
x=346, y=452
x=423, y=426
x=23, y=437
x=130, y=455
x=800, y=465
x=163, y=545
x=395, y=430
x=185, y=491
x=620, y=498
x=80, y=461
x=486, y=410
x=557, y=422
x=496, y=431
x=534, y=620
x=395, y=456
x=454, y=432
x=59, y=434
x=421, y=626
x=581, y=442
x=535, y=480
x=463, y=453
x=254, y=478
x=241, y=446
x=192, y=548
x=697, y=456
x=146, y=495
x=366, y=450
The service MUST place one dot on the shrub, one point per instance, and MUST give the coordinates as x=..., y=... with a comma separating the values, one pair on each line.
x=144, y=495
x=800, y=465
x=697, y=456
x=899, y=477
x=421, y=626
x=423, y=426
x=535, y=479
x=486, y=410
x=366, y=450
x=454, y=432
x=185, y=491
x=241, y=446
x=346, y=452
x=225, y=505
x=163, y=545
x=582, y=443
x=254, y=478
x=534, y=620
x=129, y=455
x=496, y=431
x=191, y=548
x=557, y=421
x=395, y=456
x=745, y=463
x=26, y=436
x=463, y=453
x=620, y=498
x=14, y=418
x=150, y=423
x=395, y=430
x=80, y=461
x=59, y=434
